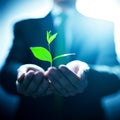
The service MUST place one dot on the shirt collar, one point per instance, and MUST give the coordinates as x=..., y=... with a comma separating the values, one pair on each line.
x=57, y=10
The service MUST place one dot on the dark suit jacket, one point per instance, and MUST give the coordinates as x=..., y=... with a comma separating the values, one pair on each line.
x=93, y=42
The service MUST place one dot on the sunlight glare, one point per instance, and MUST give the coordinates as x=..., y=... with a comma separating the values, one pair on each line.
x=103, y=9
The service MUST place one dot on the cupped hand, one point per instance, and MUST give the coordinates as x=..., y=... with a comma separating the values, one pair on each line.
x=31, y=81
x=69, y=80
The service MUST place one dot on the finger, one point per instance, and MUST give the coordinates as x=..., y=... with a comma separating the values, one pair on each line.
x=25, y=68
x=34, y=83
x=35, y=68
x=56, y=80
x=73, y=78
x=24, y=84
x=20, y=75
x=42, y=88
x=20, y=78
x=50, y=90
x=65, y=83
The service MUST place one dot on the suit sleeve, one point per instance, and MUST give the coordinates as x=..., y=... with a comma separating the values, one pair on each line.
x=103, y=80
x=15, y=58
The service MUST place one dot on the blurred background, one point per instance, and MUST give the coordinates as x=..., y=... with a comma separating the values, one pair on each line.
x=12, y=11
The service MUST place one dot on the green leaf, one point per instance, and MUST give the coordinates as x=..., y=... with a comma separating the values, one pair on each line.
x=41, y=53
x=63, y=55
x=50, y=37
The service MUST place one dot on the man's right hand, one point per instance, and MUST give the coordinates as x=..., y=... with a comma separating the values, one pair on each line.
x=31, y=81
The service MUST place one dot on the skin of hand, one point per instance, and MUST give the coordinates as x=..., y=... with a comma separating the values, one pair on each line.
x=31, y=81
x=70, y=79
x=67, y=80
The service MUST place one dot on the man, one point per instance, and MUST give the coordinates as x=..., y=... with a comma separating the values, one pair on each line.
x=90, y=39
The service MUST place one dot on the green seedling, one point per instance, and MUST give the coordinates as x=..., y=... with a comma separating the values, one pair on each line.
x=44, y=54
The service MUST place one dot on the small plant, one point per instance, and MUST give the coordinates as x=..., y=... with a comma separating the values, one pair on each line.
x=44, y=54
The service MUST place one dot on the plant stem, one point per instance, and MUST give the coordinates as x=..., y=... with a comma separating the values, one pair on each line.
x=51, y=64
x=49, y=48
x=50, y=52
